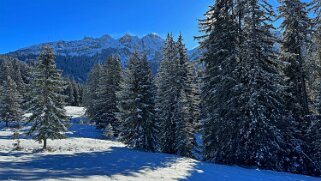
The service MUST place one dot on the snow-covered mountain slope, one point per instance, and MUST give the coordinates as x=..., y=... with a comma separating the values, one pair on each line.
x=89, y=46
x=76, y=58
x=86, y=155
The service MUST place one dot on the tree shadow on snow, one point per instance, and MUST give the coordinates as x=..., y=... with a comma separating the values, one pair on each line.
x=118, y=160
x=203, y=171
x=78, y=130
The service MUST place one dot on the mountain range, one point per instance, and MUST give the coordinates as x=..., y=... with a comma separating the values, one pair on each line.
x=76, y=58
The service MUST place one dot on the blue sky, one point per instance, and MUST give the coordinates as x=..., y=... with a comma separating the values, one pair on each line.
x=28, y=22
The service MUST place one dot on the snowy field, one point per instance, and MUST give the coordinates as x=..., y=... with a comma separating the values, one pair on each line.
x=85, y=155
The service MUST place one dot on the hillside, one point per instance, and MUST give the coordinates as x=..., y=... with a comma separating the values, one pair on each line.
x=77, y=57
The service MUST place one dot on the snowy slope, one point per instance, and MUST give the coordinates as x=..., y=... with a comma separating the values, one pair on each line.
x=85, y=155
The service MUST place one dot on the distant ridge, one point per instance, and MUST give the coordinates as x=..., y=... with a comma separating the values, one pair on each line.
x=77, y=57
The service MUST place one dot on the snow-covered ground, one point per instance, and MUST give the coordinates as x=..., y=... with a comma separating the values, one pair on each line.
x=85, y=155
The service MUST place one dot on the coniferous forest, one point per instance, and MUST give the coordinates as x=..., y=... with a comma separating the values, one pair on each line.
x=253, y=99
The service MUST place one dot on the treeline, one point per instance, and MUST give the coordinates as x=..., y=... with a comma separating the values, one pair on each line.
x=253, y=105
x=148, y=113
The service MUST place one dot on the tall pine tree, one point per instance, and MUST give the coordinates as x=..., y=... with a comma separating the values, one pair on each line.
x=167, y=96
x=91, y=91
x=243, y=95
x=107, y=101
x=219, y=94
x=10, y=100
x=47, y=105
x=136, y=105
x=176, y=75
x=296, y=25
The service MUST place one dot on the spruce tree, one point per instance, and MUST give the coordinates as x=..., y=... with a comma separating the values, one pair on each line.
x=91, y=91
x=176, y=75
x=185, y=130
x=107, y=101
x=245, y=116
x=315, y=56
x=313, y=132
x=48, y=119
x=187, y=116
x=69, y=92
x=76, y=94
x=167, y=96
x=188, y=82
x=296, y=25
x=218, y=91
x=136, y=105
x=10, y=100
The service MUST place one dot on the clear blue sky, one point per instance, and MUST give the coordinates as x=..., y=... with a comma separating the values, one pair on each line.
x=28, y=22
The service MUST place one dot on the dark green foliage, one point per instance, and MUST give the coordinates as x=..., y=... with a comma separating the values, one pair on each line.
x=246, y=120
x=10, y=102
x=91, y=90
x=48, y=119
x=175, y=79
x=73, y=92
x=296, y=25
x=105, y=104
x=136, y=105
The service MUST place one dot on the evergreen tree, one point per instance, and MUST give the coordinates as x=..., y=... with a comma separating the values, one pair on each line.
x=21, y=85
x=69, y=92
x=81, y=94
x=47, y=106
x=10, y=100
x=136, y=105
x=315, y=57
x=219, y=96
x=91, y=90
x=185, y=141
x=76, y=95
x=313, y=133
x=243, y=95
x=167, y=96
x=189, y=83
x=106, y=102
x=296, y=25
x=176, y=75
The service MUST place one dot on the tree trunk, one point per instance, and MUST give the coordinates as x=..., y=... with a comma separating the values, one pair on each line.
x=44, y=144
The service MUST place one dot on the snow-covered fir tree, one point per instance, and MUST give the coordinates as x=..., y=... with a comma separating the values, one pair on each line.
x=313, y=133
x=107, y=101
x=175, y=75
x=185, y=131
x=243, y=94
x=91, y=90
x=136, y=105
x=219, y=96
x=167, y=96
x=189, y=83
x=314, y=63
x=69, y=92
x=48, y=119
x=296, y=25
x=10, y=102
x=76, y=93
x=313, y=138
